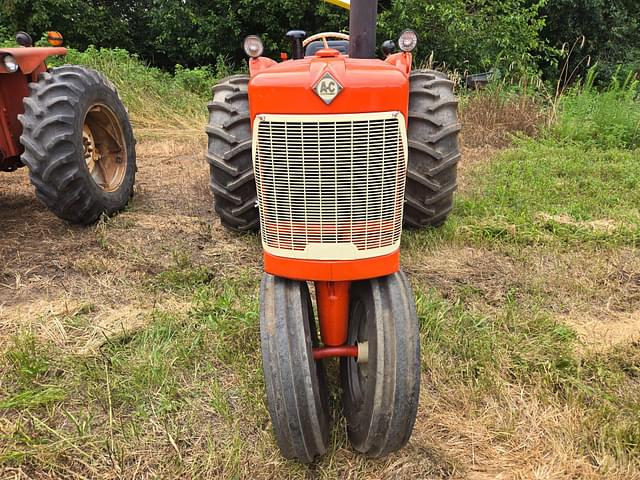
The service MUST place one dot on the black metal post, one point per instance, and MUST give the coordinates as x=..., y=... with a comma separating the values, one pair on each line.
x=362, y=28
x=296, y=37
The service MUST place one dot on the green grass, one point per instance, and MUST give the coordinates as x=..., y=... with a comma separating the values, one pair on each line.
x=543, y=194
x=159, y=103
x=607, y=118
x=191, y=385
x=523, y=345
x=539, y=193
x=199, y=367
x=579, y=182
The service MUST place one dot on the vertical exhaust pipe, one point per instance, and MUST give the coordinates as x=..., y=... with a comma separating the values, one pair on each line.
x=362, y=28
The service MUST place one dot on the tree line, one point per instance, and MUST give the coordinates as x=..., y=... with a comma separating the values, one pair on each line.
x=467, y=35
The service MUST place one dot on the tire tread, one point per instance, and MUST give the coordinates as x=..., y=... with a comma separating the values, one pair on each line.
x=434, y=149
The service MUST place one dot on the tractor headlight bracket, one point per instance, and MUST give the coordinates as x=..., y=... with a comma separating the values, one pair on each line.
x=408, y=40
x=253, y=46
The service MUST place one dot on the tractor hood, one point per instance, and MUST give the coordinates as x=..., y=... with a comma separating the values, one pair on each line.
x=29, y=58
x=329, y=83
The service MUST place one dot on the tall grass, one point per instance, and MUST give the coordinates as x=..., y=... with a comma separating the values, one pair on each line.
x=608, y=118
x=160, y=104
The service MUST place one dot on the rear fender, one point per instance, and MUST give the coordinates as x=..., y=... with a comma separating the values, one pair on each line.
x=30, y=58
x=13, y=89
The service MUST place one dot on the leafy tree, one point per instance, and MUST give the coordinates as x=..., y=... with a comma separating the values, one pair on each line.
x=468, y=35
x=611, y=30
x=471, y=35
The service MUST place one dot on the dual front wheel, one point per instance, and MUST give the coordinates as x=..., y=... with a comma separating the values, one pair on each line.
x=380, y=397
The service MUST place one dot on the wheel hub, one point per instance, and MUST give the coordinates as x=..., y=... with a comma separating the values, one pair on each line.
x=358, y=371
x=104, y=148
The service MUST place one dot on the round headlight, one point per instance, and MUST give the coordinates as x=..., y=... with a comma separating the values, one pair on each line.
x=408, y=40
x=253, y=46
x=10, y=63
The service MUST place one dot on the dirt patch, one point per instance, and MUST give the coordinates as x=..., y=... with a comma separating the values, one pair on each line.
x=49, y=268
x=603, y=333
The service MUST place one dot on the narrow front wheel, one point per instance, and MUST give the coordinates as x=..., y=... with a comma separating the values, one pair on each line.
x=296, y=387
x=380, y=396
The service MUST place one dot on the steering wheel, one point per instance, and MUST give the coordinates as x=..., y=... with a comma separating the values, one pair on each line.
x=323, y=36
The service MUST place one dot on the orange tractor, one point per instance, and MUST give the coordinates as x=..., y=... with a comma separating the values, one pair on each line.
x=69, y=127
x=337, y=149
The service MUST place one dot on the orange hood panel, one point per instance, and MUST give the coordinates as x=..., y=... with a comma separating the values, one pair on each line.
x=368, y=85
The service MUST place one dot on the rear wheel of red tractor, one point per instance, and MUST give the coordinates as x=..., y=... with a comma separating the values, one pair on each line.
x=296, y=387
x=78, y=144
x=434, y=151
x=380, y=396
x=229, y=155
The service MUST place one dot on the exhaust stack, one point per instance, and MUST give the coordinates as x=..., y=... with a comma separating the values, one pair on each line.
x=362, y=28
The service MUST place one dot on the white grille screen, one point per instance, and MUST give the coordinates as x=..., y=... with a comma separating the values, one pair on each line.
x=330, y=186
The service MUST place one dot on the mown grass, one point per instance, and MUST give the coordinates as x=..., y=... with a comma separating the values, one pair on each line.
x=198, y=368
x=541, y=193
x=577, y=181
x=523, y=347
x=509, y=386
x=189, y=387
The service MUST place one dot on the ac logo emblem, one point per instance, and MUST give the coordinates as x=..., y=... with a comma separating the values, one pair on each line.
x=327, y=88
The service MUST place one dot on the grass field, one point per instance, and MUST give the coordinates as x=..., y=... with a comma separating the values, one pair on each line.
x=131, y=349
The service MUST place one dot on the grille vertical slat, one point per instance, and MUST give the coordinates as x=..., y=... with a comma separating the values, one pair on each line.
x=331, y=181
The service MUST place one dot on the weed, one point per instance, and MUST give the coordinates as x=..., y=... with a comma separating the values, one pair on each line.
x=605, y=119
x=27, y=360
x=183, y=276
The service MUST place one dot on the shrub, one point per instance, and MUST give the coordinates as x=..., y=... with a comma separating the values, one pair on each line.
x=471, y=35
x=197, y=80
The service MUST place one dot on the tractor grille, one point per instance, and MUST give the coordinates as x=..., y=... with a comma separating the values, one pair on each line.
x=330, y=187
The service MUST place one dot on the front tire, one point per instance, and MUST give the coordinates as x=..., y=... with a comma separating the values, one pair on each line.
x=78, y=144
x=297, y=395
x=380, y=397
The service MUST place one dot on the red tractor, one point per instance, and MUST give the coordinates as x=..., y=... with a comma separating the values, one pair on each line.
x=337, y=149
x=69, y=127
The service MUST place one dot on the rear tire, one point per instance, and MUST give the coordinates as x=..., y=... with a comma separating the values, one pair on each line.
x=76, y=178
x=229, y=155
x=296, y=386
x=380, y=397
x=434, y=151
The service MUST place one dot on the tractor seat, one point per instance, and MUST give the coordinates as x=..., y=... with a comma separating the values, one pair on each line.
x=341, y=45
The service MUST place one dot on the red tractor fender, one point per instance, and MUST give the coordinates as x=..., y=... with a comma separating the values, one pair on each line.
x=13, y=89
x=29, y=59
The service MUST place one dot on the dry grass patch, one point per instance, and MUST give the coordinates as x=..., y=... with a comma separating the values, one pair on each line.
x=48, y=268
x=586, y=285
x=492, y=117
